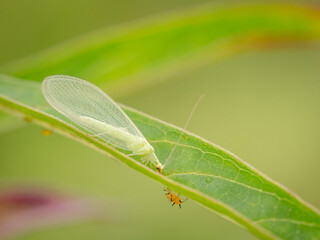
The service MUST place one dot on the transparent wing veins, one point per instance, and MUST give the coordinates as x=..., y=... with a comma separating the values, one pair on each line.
x=76, y=98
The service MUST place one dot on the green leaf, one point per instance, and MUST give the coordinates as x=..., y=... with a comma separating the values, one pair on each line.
x=200, y=170
x=134, y=55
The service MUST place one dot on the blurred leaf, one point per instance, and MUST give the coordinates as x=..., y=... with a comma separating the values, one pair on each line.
x=134, y=55
x=127, y=57
x=24, y=209
x=198, y=169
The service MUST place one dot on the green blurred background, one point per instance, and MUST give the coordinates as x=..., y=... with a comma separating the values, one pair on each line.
x=262, y=105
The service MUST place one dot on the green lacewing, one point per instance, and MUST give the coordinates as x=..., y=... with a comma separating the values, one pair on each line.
x=91, y=109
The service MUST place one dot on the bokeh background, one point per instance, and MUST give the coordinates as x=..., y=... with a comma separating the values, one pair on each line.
x=262, y=105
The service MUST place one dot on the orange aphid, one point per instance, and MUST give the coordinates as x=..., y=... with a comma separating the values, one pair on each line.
x=46, y=132
x=175, y=199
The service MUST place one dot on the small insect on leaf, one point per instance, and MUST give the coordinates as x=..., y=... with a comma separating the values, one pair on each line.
x=94, y=112
x=46, y=132
x=175, y=199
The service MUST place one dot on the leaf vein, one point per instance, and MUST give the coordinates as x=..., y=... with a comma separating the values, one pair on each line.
x=233, y=181
x=288, y=220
